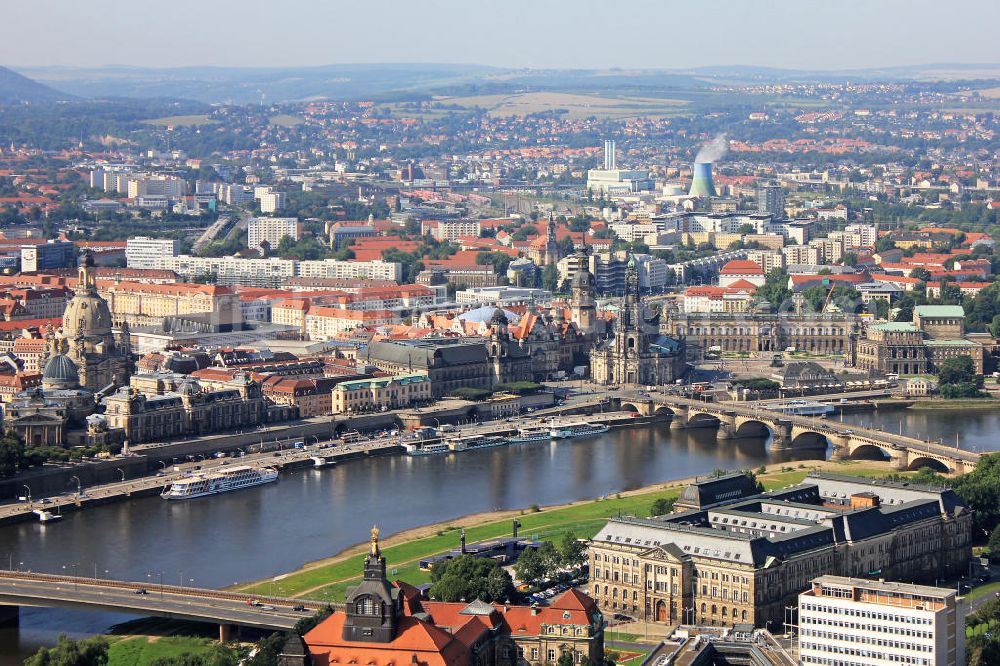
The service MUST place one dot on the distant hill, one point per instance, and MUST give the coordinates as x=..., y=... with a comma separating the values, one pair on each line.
x=17, y=89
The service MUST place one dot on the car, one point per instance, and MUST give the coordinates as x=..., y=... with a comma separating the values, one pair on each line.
x=265, y=607
x=224, y=462
x=141, y=590
x=298, y=608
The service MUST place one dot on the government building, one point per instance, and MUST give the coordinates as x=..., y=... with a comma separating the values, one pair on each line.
x=936, y=333
x=387, y=623
x=730, y=554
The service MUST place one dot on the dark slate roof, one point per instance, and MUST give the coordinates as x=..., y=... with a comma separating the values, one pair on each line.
x=721, y=489
x=427, y=353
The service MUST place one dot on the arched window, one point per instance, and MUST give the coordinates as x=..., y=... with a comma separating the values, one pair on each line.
x=366, y=606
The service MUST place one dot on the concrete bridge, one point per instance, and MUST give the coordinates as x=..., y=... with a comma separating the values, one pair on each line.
x=229, y=609
x=735, y=421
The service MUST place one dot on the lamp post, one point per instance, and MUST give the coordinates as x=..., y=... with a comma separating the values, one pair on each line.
x=79, y=485
x=122, y=472
x=29, y=493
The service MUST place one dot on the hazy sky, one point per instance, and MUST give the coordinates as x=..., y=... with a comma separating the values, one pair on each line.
x=798, y=34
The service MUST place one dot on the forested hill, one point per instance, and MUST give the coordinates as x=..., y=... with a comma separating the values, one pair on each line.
x=17, y=89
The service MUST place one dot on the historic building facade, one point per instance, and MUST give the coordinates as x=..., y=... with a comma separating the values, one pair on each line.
x=391, y=623
x=764, y=331
x=190, y=411
x=636, y=352
x=732, y=555
x=102, y=359
x=936, y=333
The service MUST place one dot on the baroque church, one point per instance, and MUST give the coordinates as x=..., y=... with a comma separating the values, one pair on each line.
x=635, y=352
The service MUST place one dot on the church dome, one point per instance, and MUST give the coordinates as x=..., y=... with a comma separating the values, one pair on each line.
x=60, y=372
x=86, y=314
x=189, y=387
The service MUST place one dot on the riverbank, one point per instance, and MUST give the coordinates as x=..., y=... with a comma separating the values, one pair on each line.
x=959, y=404
x=327, y=579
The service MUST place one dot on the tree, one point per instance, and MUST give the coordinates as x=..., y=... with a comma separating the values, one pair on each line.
x=661, y=507
x=571, y=551
x=11, y=454
x=86, y=652
x=775, y=288
x=550, y=278
x=565, y=659
x=550, y=557
x=957, y=370
x=468, y=577
x=530, y=566
x=994, y=543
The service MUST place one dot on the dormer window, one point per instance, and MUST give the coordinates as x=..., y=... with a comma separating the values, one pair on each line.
x=367, y=606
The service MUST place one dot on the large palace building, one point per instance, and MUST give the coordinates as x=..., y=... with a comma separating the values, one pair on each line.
x=730, y=554
x=764, y=331
x=387, y=623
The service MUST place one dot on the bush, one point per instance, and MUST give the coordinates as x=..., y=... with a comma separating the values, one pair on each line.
x=468, y=393
x=518, y=388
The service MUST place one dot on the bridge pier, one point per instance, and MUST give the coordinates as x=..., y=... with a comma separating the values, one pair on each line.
x=725, y=432
x=898, y=461
x=228, y=632
x=841, y=449
x=10, y=616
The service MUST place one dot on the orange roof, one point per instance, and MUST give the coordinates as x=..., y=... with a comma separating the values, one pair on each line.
x=742, y=267
x=416, y=641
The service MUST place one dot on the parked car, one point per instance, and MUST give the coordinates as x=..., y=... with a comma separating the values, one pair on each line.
x=298, y=608
x=141, y=590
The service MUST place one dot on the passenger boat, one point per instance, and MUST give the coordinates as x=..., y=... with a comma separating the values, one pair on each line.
x=803, y=408
x=426, y=449
x=47, y=516
x=320, y=462
x=529, y=435
x=475, y=442
x=573, y=430
x=213, y=483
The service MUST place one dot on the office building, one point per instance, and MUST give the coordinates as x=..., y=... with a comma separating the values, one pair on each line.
x=731, y=554
x=143, y=252
x=271, y=202
x=859, y=622
x=771, y=199
x=47, y=256
x=452, y=230
x=272, y=230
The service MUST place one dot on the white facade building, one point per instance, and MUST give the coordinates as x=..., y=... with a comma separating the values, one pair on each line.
x=143, y=252
x=272, y=230
x=272, y=201
x=449, y=230
x=354, y=270
x=858, y=622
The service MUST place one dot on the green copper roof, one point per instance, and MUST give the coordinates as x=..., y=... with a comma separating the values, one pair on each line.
x=896, y=327
x=950, y=343
x=939, y=311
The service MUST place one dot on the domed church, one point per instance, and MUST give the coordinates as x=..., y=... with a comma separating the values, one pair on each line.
x=101, y=359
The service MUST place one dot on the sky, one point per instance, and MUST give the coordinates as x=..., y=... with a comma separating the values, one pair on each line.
x=791, y=34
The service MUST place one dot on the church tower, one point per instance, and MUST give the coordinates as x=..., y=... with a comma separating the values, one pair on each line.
x=583, y=308
x=373, y=606
x=551, y=246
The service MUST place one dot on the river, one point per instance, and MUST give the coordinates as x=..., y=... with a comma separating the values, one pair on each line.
x=312, y=514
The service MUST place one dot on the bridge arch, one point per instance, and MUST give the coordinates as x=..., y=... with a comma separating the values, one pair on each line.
x=629, y=407
x=752, y=428
x=663, y=410
x=808, y=439
x=703, y=420
x=933, y=463
x=870, y=452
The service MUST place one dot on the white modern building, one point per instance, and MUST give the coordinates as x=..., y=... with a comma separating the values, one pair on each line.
x=143, y=252
x=271, y=202
x=272, y=230
x=353, y=270
x=858, y=622
x=272, y=272
x=450, y=230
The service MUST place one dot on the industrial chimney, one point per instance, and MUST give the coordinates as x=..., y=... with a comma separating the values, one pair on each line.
x=702, y=185
x=610, y=163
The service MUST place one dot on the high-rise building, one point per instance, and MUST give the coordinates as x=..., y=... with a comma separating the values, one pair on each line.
x=47, y=256
x=272, y=230
x=143, y=252
x=272, y=201
x=609, y=155
x=771, y=199
x=859, y=622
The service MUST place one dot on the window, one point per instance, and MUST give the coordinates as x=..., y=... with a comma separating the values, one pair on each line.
x=366, y=606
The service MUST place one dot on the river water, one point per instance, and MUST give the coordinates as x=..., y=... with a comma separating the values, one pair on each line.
x=311, y=514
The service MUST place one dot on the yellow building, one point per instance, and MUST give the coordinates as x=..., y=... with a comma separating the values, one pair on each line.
x=142, y=304
x=380, y=393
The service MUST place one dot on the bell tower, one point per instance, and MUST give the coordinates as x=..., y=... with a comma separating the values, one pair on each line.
x=373, y=606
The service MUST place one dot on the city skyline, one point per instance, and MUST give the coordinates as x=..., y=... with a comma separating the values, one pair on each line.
x=776, y=34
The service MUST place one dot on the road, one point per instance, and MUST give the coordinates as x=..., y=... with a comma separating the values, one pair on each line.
x=30, y=589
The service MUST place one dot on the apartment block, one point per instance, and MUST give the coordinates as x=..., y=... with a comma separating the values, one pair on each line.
x=143, y=252
x=272, y=230
x=859, y=622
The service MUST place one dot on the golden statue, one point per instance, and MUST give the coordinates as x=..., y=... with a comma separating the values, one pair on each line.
x=374, y=540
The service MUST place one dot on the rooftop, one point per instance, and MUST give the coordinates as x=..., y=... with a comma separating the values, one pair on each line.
x=952, y=311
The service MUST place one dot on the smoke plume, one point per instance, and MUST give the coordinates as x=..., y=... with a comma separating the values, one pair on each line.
x=714, y=150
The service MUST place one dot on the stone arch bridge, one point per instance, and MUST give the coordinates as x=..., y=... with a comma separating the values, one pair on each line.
x=788, y=431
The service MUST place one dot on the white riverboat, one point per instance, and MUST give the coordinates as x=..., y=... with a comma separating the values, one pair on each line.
x=529, y=435
x=476, y=442
x=573, y=430
x=803, y=408
x=213, y=483
x=426, y=449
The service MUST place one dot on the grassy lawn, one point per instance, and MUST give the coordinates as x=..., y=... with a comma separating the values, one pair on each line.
x=328, y=582
x=286, y=120
x=181, y=121
x=144, y=650
x=982, y=591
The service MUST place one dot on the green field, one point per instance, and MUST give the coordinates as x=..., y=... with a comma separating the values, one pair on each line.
x=328, y=581
x=181, y=121
x=147, y=649
x=574, y=105
x=286, y=120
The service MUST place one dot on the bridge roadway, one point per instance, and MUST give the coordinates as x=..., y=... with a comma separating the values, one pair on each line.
x=228, y=609
x=789, y=431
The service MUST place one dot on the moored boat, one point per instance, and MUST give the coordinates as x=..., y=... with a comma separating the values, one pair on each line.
x=213, y=483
